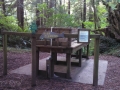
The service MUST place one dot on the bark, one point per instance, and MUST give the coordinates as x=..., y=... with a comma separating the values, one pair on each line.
x=3, y=7
x=69, y=7
x=84, y=13
x=20, y=13
x=114, y=19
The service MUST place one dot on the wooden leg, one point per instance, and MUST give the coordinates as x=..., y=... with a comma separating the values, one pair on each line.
x=37, y=62
x=77, y=54
x=96, y=62
x=5, y=54
x=68, y=58
x=34, y=63
x=48, y=68
x=80, y=57
x=87, y=56
x=53, y=58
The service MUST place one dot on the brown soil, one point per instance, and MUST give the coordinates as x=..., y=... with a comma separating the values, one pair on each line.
x=18, y=58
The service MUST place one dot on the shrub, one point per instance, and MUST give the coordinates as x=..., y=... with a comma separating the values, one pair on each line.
x=107, y=43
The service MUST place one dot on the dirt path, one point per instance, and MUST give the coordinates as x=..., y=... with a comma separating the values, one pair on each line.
x=23, y=82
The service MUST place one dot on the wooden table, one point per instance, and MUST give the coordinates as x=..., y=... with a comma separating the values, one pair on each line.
x=60, y=49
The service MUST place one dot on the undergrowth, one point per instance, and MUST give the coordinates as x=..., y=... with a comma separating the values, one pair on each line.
x=115, y=51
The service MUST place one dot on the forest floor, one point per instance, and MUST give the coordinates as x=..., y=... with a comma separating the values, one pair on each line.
x=18, y=58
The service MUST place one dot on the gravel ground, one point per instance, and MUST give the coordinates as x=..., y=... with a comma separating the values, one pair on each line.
x=23, y=82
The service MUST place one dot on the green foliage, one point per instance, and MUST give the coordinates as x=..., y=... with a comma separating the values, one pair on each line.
x=89, y=25
x=57, y=17
x=61, y=20
x=9, y=23
x=102, y=19
x=91, y=47
x=102, y=14
x=44, y=11
x=113, y=3
x=106, y=44
x=26, y=29
x=1, y=3
x=115, y=51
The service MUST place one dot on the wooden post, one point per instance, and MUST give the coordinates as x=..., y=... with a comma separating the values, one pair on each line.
x=52, y=61
x=80, y=57
x=68, y=58
x=87, y=54
x=37, y=61
x=5, y=54
x=77, y=55
x=96, y=62
x=55, y=57
x=34, y=62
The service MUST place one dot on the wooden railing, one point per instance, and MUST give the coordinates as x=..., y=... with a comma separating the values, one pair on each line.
x=33, y=39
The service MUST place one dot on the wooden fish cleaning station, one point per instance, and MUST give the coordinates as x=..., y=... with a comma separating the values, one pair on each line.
x=59, y=45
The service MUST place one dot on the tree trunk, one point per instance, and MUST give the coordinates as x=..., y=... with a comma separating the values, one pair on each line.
x=95, y=17
x=20, y=13
x=3, y=7
x=84, y=13
x=114, y=19
x=69, y=7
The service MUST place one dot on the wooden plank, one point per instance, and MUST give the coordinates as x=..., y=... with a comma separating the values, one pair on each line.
x=95, y=36
x=59, y=49
x=5, y=54
x=54, y=43
x=75, y=44
x=34, y=63
x=96, y=62
x=55, y=29
x=78, y=47
x=63, y=44
x=66, y=35
x=17, y=33
x=49, y=46
x=65, y=31
x=37, y=34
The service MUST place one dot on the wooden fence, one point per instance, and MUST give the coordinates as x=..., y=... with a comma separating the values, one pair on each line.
x=33, y=41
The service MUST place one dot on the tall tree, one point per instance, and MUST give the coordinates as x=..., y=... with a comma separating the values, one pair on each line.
x=3, y=7
x=84, y=13
x=20, y=13
x=68, y=6
x=95, y=13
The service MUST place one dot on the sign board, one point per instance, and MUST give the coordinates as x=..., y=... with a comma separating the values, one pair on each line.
x=83, y=36
x=51, y=35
